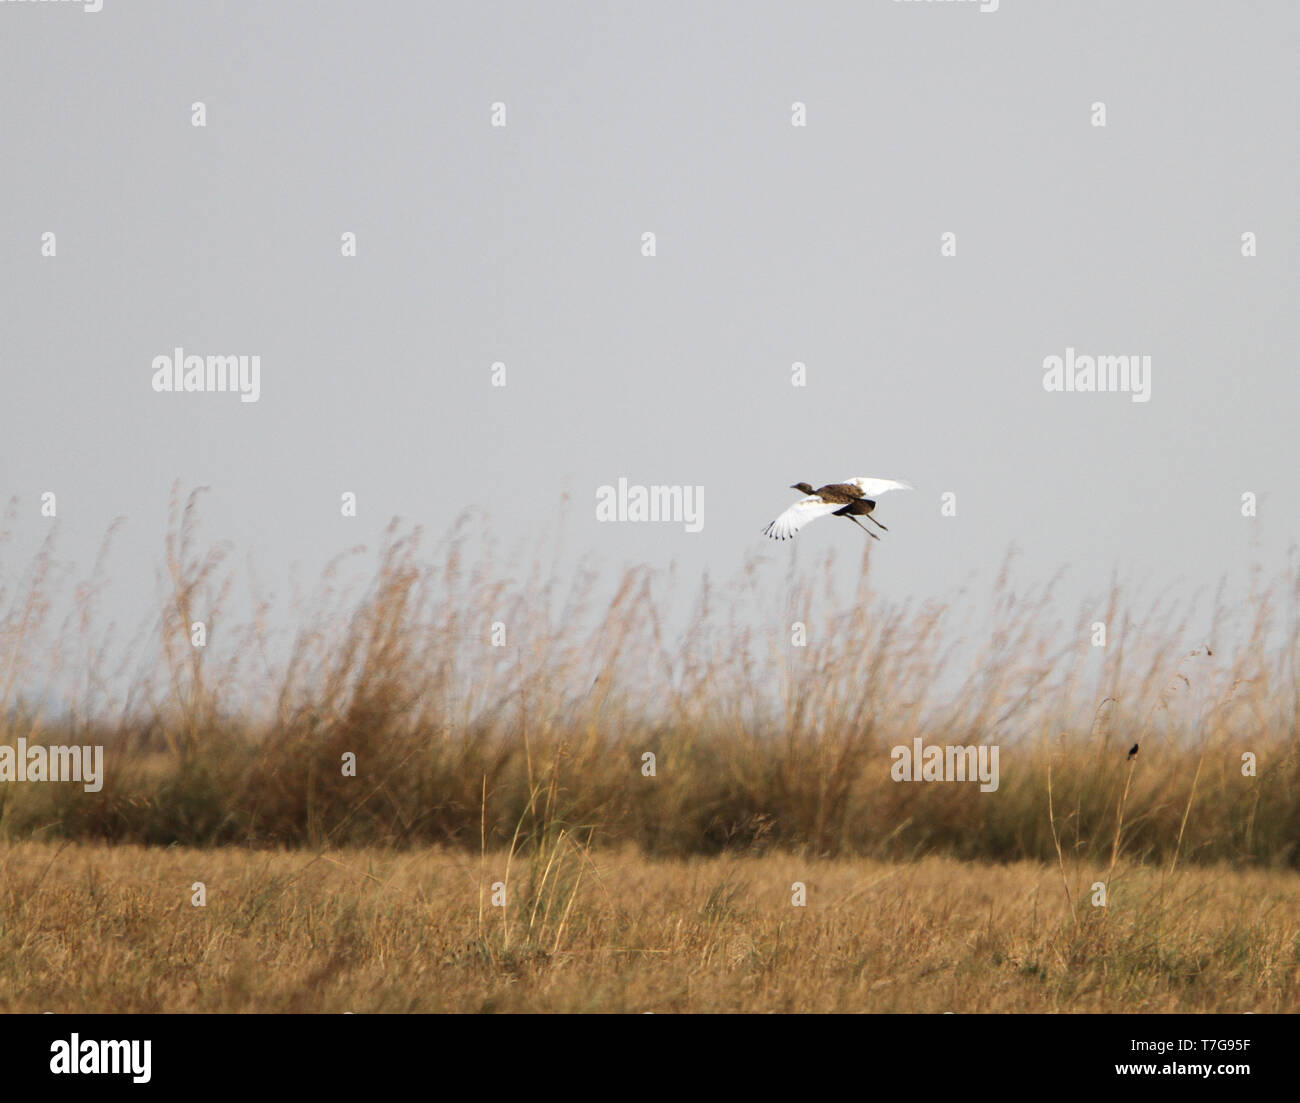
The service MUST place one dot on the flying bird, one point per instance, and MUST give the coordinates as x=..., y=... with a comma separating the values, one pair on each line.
x=852, y=499
x=1133, y=751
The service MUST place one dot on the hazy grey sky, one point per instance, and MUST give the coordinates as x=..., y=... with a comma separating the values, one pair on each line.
x=775, y=244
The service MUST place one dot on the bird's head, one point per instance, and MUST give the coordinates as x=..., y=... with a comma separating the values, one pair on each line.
x=803, y=487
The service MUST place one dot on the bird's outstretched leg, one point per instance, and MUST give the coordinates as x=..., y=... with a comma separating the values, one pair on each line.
x=862, y=526
x=875, y=522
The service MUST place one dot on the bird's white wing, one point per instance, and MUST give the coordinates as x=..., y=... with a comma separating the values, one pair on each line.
x=874, y=488
x=798, y=515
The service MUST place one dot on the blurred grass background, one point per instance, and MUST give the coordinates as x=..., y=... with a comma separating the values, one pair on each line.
x=760, y=745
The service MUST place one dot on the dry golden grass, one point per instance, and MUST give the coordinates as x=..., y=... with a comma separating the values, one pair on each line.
x=88, y=927
x=761, y=745
x=330, y=891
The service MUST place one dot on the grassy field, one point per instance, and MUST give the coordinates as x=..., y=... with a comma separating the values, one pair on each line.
x=350, y=795
x=477, y=707
x=114, y=929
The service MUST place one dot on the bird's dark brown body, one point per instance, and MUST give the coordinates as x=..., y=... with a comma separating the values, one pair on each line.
x=840, y=492
x=855, y=505
x=850, y=499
